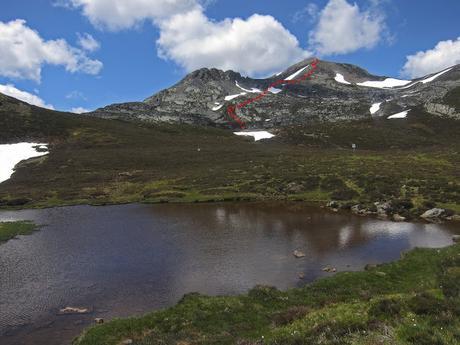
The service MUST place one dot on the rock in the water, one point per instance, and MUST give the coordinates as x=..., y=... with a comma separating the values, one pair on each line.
x=329, y=269
x=301, y=275
x=455, y=218
x=99, y=320
x=73, y=310
x=456, y=238
x=356, y=209
x=434, y=213
x=333, y=204
x=398, y=218
x=298, y=253
x=361, y=210
x=382, y=208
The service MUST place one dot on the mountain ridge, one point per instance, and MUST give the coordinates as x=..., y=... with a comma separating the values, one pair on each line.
x=336, y=91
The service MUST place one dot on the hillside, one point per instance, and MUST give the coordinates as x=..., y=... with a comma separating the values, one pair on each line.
x=412, y=162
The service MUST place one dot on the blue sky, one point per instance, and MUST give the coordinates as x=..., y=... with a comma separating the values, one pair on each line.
x=142, y=46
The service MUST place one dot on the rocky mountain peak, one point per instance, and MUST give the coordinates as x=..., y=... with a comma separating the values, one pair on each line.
x=335, y=91
x=211, y=74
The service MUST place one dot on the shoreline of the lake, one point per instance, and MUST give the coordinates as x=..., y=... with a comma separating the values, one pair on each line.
x=329, y=297
x=362, y=210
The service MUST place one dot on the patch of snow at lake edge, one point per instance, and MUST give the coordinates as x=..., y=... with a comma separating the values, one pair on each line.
x=12, y=154
x=400, y=115
x=217, y=107
x=341, y=79
x=382, y=84
x=258, y=135
x=375, y=108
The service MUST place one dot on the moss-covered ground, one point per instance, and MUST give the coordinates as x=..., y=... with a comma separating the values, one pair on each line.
x=412, y=161
x=9, y=230
x=415, y=300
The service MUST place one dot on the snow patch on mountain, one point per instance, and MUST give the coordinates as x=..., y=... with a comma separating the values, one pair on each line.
x=382, y=84
x=427, y=80
x=400, y=115
x=12, y=154
x=292, y=76
x=258, y=135
x=341, y=79
x=253, y=90
x=375, y=108
x=230, y=97
x=274, y=90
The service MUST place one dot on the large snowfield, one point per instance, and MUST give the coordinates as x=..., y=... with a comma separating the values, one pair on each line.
x=12, y=154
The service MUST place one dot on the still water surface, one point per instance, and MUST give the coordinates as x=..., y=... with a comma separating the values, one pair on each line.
x=129, y=259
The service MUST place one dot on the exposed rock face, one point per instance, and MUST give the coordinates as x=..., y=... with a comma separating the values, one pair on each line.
x=442, y=109
x=200, y=98
x=437, y=214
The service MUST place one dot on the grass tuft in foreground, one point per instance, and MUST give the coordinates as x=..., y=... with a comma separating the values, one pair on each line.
x=415, y=300
x=9, y=230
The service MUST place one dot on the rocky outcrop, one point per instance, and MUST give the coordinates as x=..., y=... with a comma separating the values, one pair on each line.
x=434, y=213
x=442, y=109
x=439, y=214
x=395, y=210
x=202, y=98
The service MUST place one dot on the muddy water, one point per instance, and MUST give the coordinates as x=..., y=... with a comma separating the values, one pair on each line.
x=130, y=259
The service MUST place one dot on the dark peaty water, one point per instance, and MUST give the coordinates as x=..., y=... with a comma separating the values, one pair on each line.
x=130, y=259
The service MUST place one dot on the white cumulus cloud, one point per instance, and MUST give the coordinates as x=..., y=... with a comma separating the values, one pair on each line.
x=23, y=52
x=88, y=42
x=344, y=28
x=79, y=110
x=443, y=55
x=254, y=46
x=121, y=14
x=259, y=44
x=11, y=90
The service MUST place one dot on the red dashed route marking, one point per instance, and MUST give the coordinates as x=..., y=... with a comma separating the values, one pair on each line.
x=231, y=108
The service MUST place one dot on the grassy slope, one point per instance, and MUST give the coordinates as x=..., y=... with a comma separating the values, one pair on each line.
x=9, y=230
x=412, y=301
x=96, y=161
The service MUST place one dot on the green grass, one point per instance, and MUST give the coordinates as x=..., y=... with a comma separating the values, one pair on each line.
x=415, y=300
x=9, y=230
x=94, y=161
